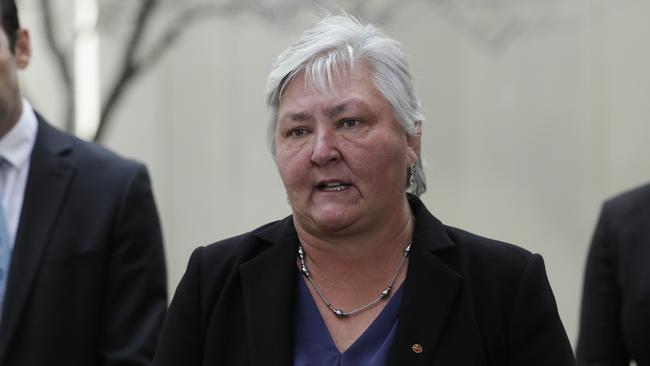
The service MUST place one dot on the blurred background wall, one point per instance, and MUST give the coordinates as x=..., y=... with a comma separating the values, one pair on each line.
x=537, y=110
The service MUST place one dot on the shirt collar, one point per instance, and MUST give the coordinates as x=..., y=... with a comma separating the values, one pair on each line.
x=16, y=146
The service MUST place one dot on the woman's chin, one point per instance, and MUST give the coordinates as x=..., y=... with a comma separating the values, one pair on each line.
x=333, y=220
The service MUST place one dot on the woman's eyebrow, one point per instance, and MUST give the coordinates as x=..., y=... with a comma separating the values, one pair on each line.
x=344, y=107
x=336, y=110
x=297, y=117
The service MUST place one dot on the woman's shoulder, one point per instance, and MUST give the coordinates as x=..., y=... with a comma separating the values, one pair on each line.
x=488, y=252
x=502, y=279
x=464, y=251
x=220, y=260
x=231, y=252
x=492, y=267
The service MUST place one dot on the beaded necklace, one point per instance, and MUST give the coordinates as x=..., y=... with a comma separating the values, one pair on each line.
x=344, y=314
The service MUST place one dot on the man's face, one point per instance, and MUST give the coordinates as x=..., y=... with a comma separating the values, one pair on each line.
x=10, y=63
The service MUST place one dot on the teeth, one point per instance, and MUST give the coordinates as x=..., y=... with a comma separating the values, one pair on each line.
x=330, y=185
x=334, y=187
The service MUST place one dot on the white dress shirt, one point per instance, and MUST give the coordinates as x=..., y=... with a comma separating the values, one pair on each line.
x=16, y=148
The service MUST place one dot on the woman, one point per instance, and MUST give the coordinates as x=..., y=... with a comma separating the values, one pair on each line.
x=615, y=318
x=361, y=273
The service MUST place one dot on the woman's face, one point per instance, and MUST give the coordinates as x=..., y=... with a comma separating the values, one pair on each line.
x=342, y=156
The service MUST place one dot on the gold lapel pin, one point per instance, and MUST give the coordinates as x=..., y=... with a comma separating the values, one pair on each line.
x=417, y=348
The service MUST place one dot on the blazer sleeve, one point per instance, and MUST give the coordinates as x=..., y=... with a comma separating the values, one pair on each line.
x=136, y=283
x=181, y=340
x=600, y=340
x=537, y=336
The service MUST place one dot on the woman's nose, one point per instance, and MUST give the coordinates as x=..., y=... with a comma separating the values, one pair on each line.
x=325, y=149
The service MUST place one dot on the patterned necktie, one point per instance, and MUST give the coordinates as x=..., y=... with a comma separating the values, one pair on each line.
x=5, y=250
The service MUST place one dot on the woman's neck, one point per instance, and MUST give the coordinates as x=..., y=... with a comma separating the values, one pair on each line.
x=374, y=246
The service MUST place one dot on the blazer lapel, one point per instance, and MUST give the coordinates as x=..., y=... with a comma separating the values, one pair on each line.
x=268, y=285
x=433, y=299
x=50, y=174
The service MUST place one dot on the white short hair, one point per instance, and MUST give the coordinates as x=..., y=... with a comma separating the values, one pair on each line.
x=331, y=49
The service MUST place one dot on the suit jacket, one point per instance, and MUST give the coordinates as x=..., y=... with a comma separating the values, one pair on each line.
x=615, y=317
x=87, y=283
x=468, y=301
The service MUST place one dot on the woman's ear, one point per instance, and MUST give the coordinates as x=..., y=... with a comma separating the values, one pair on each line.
x=413, y=140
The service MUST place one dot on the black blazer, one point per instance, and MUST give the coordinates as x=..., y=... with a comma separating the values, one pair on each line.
x=468, y=301
x=615, y=317
x=87, y=283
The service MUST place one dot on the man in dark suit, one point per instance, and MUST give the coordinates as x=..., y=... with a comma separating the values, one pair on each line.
x=615, y=316
x=82, y=270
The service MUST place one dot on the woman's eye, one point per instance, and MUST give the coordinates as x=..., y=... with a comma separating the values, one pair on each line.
x=350, y=123
x=297, y=132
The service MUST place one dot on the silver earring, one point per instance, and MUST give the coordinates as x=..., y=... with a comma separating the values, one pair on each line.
x=411, y=186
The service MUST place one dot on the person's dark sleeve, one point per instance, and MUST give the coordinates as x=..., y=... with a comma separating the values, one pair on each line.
x=181, y=341
x=600, y=341
x=537, y=336
x=136, y=279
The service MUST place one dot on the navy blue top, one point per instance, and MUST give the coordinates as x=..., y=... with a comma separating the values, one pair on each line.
x=314, y=346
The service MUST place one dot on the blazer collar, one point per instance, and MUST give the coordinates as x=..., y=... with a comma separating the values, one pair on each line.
x=49, y=177
x=429, y=233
